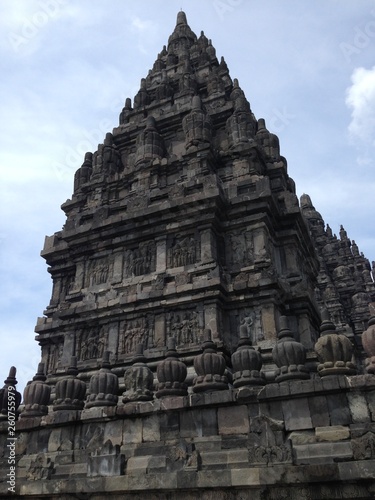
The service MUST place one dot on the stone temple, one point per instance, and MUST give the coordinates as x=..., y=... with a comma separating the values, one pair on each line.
x=208, y=336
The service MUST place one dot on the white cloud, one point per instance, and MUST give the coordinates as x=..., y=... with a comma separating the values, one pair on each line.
x=360, y=98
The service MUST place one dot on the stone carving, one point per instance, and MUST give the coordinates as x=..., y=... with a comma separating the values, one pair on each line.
x=210, y=367
x=70, y=390
x=103, y=387
x=136, y=331
x=107, y=461
x=91, y=344
x=334, y=350
x=270, y=455
x=364, y=446
x=241, y=125
x=142, y=99
x=187, y=82
x=141, y=260
x=111, y=160
x=40, y=469
x=10, y=398
x=184, y=327
x=246, y=362
x=197, y=125
x=242, y=248
x=99, y=271
x=183, y=252
x=184, y=456
x=138, y=379
x=149, y=143
x=289, y=355
x=368, y=342
x=171, y=373
x=268, y=141
x=164, y=89
x=83, y=174
x=54, y=357
x=36, y=395
x=126, y=110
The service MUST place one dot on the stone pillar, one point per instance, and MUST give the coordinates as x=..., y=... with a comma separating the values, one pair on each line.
x=208, y=245
x=161, y=254
x=159, y=339
x=80, y=276
x=113, y=335
x=69, y=348
x=118, y=267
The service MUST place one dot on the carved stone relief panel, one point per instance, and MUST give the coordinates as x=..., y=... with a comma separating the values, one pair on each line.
x=252, y=320
x=241, y=248
x=136, y=331
x=98, y=271
x=140, y=260
x=183, y=250
x=186, y=326
x=55, y=352
x=91, y=343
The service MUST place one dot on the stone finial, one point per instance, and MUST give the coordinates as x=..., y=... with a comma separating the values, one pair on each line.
x=126, y=110
x=70, y=390
x=241, y=125
x=103, y=386
x=197, y=125
x=142, y=99
x=268, y=141
x=138, y=379
x=334, y=350
x=171, y=373
x=36, y=395
x=246, y=362
x=149, y=142
x=368, y=342
x=10, y=398
x=181, y=18
x=210, y=368
x=83, y=174
x=289, y=355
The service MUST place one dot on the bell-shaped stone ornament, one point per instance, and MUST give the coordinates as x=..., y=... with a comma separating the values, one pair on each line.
x=36, y=395
x=138, y=379
x=103, y=387
x=289, y=355
x=368, y=342
x=171, y=373
x=334, y=350
x=210, y=368
x=10, y=398
x=246, y=362
x=70, y=390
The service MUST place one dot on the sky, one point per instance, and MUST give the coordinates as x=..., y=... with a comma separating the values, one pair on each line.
x=67, y=67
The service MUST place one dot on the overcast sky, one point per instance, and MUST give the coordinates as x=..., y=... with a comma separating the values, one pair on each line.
x=67, y=66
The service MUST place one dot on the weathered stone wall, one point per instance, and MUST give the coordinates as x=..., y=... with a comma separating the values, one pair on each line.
x=305, y=439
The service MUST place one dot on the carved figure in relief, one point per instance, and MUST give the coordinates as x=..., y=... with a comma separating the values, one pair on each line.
x=136, y=332
x=141, y=260
x=183, y=252
x=242, y=248
x=54, y=357
x=92, y=346
x=185, y=328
